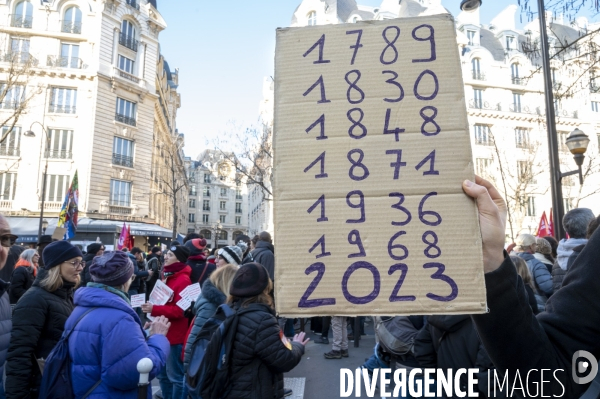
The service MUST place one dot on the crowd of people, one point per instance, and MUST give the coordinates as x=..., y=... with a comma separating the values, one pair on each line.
x=541, y=294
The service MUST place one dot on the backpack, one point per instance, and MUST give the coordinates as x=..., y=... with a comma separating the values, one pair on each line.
x=396, y=334
x=56, y=380
x=208, y=373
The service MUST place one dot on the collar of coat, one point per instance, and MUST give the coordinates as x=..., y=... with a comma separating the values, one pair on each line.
x=110, y=289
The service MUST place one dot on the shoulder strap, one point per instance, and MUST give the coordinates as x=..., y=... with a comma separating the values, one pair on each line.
x=78, y=320
x=92, y=389
x=203, y=271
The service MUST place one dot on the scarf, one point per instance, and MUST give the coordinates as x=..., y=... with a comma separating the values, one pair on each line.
x=24, y=263
x=173, y=268
x=110, y=289
x=542, y=259
x=565, y=249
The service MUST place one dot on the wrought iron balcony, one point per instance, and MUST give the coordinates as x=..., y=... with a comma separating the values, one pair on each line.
x=19, y=57
x=10, y=151
x=6, y=205
x=128, y=41
x=10, y=104
x=21, y=21
x=128, y=76
x=123, y=160
x=478, y=104
x=65, y=62
x=478, y=75
x=133, y=3
x=518, y=81
x=125, y=119
x=120, y=208
x=59, y=154
x=70, y=27
x=62, y=109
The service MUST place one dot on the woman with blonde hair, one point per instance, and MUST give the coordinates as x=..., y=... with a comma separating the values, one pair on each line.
x=39, y=318
x=23, y=275
x=214, y=293
x=523, y=271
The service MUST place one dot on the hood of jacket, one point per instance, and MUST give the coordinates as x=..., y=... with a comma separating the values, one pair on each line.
x=542, y=259
x=565, y=249
x=212, y=293
x=91, y=297
x=447, y=323
x=265, y=245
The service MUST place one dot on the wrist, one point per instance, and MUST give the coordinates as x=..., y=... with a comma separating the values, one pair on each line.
x=492, y=260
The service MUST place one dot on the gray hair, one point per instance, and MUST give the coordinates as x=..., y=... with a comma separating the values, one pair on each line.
x=28, y=255
x=576, y=222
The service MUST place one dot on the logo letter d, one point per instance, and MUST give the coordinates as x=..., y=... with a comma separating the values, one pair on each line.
x=591, y=360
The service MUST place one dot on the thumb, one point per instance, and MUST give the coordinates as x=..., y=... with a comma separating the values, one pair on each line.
x=481, y=194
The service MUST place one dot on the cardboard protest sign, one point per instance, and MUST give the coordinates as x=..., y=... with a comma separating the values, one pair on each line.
x=371, y=146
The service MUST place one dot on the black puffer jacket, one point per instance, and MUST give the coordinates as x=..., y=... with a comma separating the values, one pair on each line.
x=20, y=281
x=201, y=270
x=260, y=356
x=38, y=323
x=264, y=254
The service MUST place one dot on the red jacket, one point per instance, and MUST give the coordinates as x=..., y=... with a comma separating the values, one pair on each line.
x=179, y=323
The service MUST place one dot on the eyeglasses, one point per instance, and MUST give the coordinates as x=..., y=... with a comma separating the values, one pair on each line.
x=8, y=240
x=76, y=263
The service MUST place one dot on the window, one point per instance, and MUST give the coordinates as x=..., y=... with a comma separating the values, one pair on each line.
x=61, y=144
x=206, y=233
x=238, y=194
x=223, y=205
x=515, y=75
x=69, y=56
x=125, y=112
x=478, y=98
x=482, y=135
x=206, y=191
x=12, y=97
x=191, y=230
x=193, y=190
x=222, y=218
x=56, y=187
x=238, y=220
x=72, y=21
x=133, y=3
x=522, y=137
x=516, y=106
x=312, y=18
x=528, y=206
x=19, y=50
x=555, y=79
x=482, y=166
x=206, y=205
x=238, y=207
x=525, y=172
x=594, y=106
x=192, y=203
x=122, y=152
x=63, y=100
x=126, y=64
x=10, y=146
x=223, y=234
x=23, y=16
x=476, y=69
x=510, y=43
x=223, y=192
x=562, y=141
x=191, y=217
x=471, y=37
x=120, y=192
x=205, y=220
x=567, y=204
x=206, y=178
x=127, y=37
x=8, y=186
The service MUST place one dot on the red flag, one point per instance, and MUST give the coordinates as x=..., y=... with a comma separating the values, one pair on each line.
x=551, y=224
x=123, y=238
x=544, y=227
x=131, y=243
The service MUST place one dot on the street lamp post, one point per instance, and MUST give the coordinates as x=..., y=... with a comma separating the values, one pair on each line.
x=30, y=133
x=578, y=141
x=216, y=227
x=44, y=226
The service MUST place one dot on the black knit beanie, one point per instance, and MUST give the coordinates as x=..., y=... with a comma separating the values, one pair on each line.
x=250, y=280
x=181, y=253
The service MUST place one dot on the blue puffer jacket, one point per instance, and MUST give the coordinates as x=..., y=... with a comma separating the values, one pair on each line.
x=206, y=306
x=107, y=344
x=542, y=278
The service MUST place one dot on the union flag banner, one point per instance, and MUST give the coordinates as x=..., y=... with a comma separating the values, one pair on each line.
x=70, y=211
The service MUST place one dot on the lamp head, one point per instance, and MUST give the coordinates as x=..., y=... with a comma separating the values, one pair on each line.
x=577, y=142
x=470, y=5
x=29, y=133
x=44, y=224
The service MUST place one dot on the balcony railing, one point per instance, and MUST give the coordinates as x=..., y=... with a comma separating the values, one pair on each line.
x=70, y=27
x=20, y=21
x=516, y=108
x=19, y=57
x=52, y=206
x=518, y=81
x=128, y=76
x=65, y=62
x=128, y=41
x=478, y=75
x=206, y=208
x=6, y=205
x=123, y=160
x=477, y=104
x=10, y=104
x=62, y=109
x=59, y=154
x=120, y=209
x=10, y=151
x=125, y=119
x=133, y=3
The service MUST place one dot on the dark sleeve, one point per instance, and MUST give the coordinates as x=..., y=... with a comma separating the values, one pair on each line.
x=558, y=275
x=571, y=259
x=532, y=301
x=139, y=273
x=518, y=341
x=28, y=322
x=271, y=350
x=424, y=350
x=18, y=283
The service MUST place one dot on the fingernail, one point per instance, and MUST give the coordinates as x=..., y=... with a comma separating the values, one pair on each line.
x=468, y=183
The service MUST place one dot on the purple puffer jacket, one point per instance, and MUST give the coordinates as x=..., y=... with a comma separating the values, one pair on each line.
x=107, y=344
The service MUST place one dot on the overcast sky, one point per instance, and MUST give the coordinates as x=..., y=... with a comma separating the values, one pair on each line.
x=224, y=50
